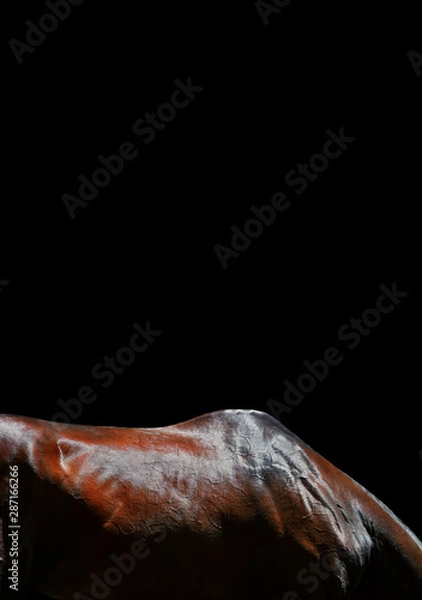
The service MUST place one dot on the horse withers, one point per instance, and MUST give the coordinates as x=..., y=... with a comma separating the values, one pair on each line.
x=228, y=506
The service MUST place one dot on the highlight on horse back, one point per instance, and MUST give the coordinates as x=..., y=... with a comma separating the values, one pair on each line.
x=230, y=505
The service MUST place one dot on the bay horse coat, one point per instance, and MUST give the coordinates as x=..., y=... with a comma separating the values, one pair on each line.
x=228, y=506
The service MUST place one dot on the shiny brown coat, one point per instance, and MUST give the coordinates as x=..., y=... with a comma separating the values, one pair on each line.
x=229, y=505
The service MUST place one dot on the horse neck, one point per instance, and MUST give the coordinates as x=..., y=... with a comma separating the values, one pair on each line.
x=398, y=559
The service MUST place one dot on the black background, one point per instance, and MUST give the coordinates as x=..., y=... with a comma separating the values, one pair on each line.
x=143, y=249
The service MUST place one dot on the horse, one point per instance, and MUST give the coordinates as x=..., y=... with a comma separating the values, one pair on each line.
x=230, y=505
